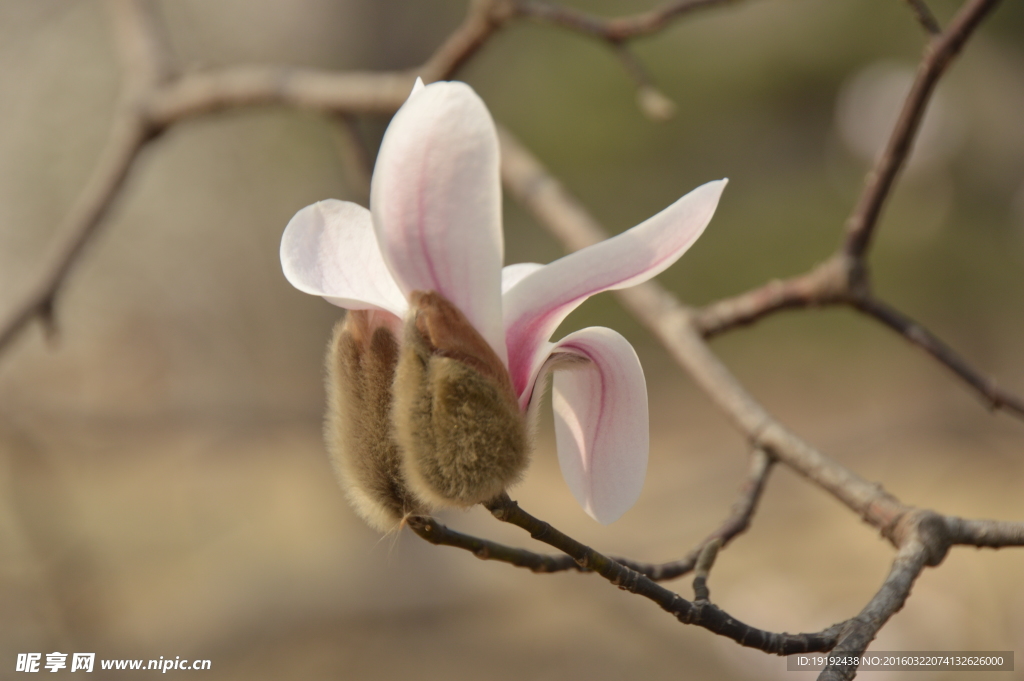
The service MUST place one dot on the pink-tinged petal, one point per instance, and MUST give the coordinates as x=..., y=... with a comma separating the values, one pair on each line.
x=601, y=421
x=535, y=306
x=513, y=274
x=329, y=249
x=436, y=203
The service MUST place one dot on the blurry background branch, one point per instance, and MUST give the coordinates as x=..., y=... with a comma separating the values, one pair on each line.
x=618, y=29
x=924, y=16
x=155, y=97
x=843, y=278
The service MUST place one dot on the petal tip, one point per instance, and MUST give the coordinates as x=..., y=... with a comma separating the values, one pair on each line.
x=710, y=193
x=606, y=517
x=717, y=184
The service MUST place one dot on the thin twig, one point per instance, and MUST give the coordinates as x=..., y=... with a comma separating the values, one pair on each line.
x=994, y=396
x=736, y=524
x=205, y=92
x=843, y=276
x=702, y=570
x=440, y=535
x=145, y=63
x=825, y=284
x=128, y=136
x=482, y=20
x=143, y=43
x=652, y=101
x=703, y=614
x=165, y=101
x=938, y=55
x=924, y=16
x=617, y=32
x=617, y=29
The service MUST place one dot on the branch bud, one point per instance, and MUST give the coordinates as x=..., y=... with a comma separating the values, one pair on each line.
x=456, y=416
x=361, y=362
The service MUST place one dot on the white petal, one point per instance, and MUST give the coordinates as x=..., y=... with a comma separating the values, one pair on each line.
x=601, y=422
x=513, y=274
x=329, y=249
x=535, y=306
x=436, y=203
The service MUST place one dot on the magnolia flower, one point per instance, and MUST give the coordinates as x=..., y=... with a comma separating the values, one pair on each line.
x=424, y=267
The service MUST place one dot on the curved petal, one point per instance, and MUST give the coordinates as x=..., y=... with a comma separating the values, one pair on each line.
x=601, y=421
x=436, y=203
x=513, y=274
x=535, y=306
x=329, y=249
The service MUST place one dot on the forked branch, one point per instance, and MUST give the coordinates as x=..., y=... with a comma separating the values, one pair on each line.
x=703, y=613
x=937, y=57
x=842, y=278
x=737, y=523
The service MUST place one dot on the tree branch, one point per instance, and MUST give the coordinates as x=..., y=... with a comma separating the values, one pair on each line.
x=143, y=43
x=144, y=58
x=862, y=629
x=436, y=533
x=483, y=19
x=992, y=534
x=986, y=388
x=736, y=524
x=937, y=57
x=825, y=284
x=205, y=92
x=924, y=16
x=703, y=613
x=618, y=29
x=617, y=32
x=128, y=136
x=843, y=277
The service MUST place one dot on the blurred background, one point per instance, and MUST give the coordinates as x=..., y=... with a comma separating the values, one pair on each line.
x=163, y=487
